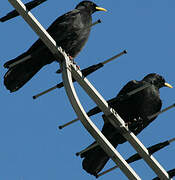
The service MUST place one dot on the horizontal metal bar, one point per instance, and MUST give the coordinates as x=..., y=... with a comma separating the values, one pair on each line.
x=114, y=57
x=85, y=71
x=87, y=149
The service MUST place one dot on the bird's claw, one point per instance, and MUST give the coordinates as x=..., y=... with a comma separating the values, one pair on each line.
x=72, y=59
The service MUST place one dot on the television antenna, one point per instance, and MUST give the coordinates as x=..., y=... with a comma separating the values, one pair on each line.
x=70, y=70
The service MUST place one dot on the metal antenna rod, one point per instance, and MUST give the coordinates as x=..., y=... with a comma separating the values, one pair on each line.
x=107, y=171
x=138, y=89
x=114, y=57
x=88, y=148
x=122, y=98
x=171, y=140
x=45, y=92
x=91, y=69
x=135, y=157
x=69, y=123
x=96, y=22
x=30, y=5
x=160, y=112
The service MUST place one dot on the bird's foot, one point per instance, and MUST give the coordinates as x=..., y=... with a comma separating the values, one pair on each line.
x=72, y=59
x=78, y=67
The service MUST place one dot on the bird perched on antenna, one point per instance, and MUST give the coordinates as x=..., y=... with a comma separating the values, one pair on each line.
x=134, y=110
x=70, y=31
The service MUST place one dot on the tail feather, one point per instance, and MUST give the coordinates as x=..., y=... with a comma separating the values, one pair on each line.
x=94, y=160
x=17, y=60
x=20, y=72
x=84, y=154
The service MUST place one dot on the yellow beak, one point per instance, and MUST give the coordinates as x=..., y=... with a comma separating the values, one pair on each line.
x=100, y=9
x=168, y=85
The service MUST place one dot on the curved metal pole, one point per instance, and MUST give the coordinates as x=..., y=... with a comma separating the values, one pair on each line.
x=89, y=125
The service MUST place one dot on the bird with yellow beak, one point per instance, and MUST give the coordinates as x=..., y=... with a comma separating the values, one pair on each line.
x=70, y=31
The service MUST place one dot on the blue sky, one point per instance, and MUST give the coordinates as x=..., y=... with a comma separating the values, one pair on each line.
x=31, y=146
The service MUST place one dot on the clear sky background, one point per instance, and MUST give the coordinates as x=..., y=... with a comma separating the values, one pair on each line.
x=31, y=146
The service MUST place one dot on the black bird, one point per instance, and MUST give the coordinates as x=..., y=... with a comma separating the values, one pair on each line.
x=134, y=110
x=70, y=31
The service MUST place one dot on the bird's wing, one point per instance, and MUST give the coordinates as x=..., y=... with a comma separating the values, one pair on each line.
x=112, y=102
x=63, y=22
x=123, y=107
x=58, y=29
x=134, y=110
x=131, y=85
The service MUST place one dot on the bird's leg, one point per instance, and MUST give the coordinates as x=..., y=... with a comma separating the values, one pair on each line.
x=72, y=59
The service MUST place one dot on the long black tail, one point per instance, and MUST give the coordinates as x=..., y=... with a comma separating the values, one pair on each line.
x=20, y=71
x=94, y=160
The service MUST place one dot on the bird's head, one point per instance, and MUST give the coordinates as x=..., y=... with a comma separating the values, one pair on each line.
x=90, y=6
x=157, y=80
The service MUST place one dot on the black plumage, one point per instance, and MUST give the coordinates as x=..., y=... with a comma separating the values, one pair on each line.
x=70, y=31
x=134, y=110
